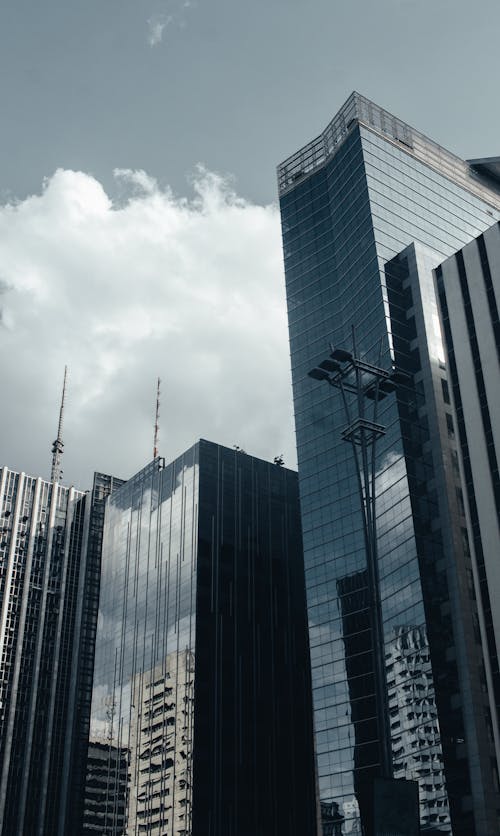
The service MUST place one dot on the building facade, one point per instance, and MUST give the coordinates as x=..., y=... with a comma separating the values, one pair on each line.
x=369, y=209
x=202, y=667
x=46, y=559
x=75, y=777
x=469, y=293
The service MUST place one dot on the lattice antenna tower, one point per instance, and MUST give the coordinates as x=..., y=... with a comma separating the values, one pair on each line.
x=157, y=420
x=58, y=445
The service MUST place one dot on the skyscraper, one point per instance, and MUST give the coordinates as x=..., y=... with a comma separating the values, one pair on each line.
x=469, y=292
x=369, y=209
x=202, y=669
x=49, y=551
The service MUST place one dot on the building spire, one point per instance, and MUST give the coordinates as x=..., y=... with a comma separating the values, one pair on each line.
x=58, y=445
x=157, y=420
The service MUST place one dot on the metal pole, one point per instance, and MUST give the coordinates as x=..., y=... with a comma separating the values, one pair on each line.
x=363, y=433
x=383, y=697
x=366, y=490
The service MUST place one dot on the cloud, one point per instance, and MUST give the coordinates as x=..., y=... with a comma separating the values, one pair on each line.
x=138, y=179
x=174, y=13
x=4, y=288
x=156, y=25
x=151, y=285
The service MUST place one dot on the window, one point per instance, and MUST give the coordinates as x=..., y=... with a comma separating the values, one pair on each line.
x=446, y=390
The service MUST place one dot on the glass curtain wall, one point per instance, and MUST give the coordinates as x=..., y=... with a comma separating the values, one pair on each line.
x=341, y=224
x=202, y=676
x=144, y=667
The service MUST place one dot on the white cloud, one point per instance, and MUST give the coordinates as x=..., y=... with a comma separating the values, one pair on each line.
x=188, y=290
x=175, y=12
x=138, y=178
x=156, y=26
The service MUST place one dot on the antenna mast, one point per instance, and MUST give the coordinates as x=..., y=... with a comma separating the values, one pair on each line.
x=58, y=445
x=157, y=420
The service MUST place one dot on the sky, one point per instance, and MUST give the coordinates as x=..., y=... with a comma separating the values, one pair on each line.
x=139, y=229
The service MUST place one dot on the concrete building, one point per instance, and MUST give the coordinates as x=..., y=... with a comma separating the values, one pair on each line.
x=469, y=294
x=49, y=556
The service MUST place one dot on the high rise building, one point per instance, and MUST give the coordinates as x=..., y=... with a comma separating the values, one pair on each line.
x=469, y=292
x=369, y=209
x=49, y=551
x=202, y=668
x=103, y=486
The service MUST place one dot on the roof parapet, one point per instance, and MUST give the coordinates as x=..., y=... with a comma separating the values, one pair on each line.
x=360, y=110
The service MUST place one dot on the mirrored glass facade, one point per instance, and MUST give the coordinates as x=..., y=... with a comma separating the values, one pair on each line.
x=202, y=676
x=351, y=201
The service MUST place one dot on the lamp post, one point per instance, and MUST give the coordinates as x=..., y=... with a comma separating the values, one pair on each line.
x=359, y=382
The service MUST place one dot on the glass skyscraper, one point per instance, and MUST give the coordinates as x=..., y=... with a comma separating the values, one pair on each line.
x=369, y=209
x=202, y=674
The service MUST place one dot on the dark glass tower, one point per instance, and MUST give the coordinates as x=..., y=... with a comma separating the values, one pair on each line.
x=351, y=201
x=202, y=676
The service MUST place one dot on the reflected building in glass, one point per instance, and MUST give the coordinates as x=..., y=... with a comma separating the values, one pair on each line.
x=49, y=589
x=202, y=670
x=369, y=210
x=415, y=729
x=106, y=790
x=161, y=747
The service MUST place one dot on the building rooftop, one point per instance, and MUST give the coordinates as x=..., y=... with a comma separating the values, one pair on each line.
x=475, y=175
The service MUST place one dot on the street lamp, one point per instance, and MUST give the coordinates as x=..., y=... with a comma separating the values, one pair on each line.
x=365, y=382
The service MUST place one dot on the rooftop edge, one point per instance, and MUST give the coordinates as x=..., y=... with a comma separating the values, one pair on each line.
x=479, y=176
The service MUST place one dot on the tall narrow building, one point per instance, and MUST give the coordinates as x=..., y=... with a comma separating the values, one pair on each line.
x=469, y=294
x=369, y=209
x=49, y=562
x=202, y=675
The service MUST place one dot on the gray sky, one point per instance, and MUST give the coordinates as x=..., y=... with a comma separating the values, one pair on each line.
x=126, y=277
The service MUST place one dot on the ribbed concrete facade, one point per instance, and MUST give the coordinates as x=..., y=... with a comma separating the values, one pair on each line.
x=46, y=637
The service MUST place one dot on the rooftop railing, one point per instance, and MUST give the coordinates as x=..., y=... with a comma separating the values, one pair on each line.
x=358, y=109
